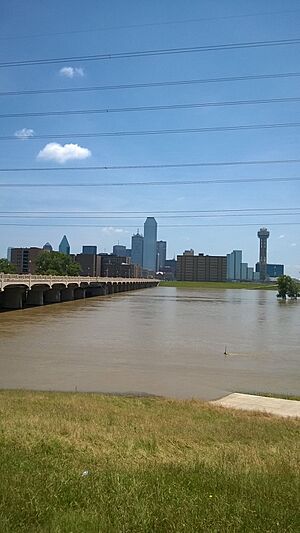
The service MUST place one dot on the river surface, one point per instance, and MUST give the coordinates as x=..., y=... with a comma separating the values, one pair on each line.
x=162, y=341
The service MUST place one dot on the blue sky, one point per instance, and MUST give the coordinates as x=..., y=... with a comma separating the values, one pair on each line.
x=27, y=30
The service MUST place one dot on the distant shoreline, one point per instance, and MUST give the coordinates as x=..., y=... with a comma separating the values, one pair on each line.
x=218, y=285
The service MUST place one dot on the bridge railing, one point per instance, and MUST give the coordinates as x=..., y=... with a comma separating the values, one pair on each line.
x=30, y=279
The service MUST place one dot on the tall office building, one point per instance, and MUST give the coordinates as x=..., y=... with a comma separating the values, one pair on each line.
x=47, y=247
x=150, y=240
x=64, y=247
x=90, y=250
x=263, y=235
x=161, y=255
x=119, y=250
x=234, y=265
x=137, y=244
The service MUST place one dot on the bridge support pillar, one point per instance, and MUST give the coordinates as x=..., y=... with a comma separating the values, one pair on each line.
x=109, y=288
x=13, y=298
x=79, y=293
x=52, y=296
x=97, y=291
x=35, y=297
x=67, y=294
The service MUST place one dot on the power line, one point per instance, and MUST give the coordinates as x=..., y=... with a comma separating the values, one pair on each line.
x=140, y=217
x=152, y=52
x=154, y=166
x=290, y=99
x=242, y=127
x=147, y=212
x=152, y=84
x=151, y=183
x=153, y=24
x=179, y=226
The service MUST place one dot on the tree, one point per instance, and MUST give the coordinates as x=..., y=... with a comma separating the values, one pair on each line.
x=6, y=267
x=293, y=289
x=57, y=264
x=288, y=287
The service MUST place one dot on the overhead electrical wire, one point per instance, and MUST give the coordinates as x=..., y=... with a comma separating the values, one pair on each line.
x=197, y=105
x=179, y=226
x=152, y=52
x=154, y=166
x=153, y=24
x=140, y=217
x=152, y=183
x=147, y=212
x=125, y=86
x=242, y=127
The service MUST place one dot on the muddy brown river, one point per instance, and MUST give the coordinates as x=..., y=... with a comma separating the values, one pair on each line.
x=162, y=341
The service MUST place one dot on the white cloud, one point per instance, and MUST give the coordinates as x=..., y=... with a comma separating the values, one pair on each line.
x=72, y=72
x=61, y=154
x=293, y=244
x=24, y=133
x=281, y=236
x=110, y=229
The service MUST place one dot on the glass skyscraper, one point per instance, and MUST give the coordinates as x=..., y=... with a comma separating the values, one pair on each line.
x=64, y=247
x=91, y=250
x=234, y=265
x=161, y=255
x=137, y=244
x=150, y=244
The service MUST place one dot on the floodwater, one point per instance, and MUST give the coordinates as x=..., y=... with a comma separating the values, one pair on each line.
x=162, y=341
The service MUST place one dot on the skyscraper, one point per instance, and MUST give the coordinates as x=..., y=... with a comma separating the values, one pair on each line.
x=137, y=243
x=47, y=247
x=150, y=240
x=64, y=247
x=161, y=255
x=263, y=235
x=119, y=250
x=234, y=265
x=89, y=250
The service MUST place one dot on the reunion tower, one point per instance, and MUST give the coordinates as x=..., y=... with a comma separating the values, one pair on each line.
x=263, y=235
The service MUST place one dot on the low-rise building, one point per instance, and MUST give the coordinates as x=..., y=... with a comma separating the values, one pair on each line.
x=90, y=264
x=201, y=267
x=113, y=266
x=24, y=259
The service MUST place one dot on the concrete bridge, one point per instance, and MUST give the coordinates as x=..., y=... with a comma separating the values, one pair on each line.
x=18, y=291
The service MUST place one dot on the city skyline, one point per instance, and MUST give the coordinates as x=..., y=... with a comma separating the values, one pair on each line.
x=155, y=252
x=218, y=154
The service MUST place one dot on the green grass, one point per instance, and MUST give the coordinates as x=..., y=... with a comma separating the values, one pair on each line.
x=217, y=285
x=154, y=465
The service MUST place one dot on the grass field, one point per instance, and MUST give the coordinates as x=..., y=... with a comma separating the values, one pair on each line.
x=217, y=285
x=153, y=465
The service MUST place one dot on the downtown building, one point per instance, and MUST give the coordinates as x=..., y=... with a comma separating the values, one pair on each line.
x=24, y=259
x=150, y=244
x=191, y=267
x=90, y=264
x=137, y=249
x=161, y=251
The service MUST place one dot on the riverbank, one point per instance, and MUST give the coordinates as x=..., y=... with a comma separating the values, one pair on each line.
x=217, y=285
x=87, y=462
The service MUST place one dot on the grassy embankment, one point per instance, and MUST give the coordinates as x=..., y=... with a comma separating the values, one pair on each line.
x=217, y=285
x=154, y=465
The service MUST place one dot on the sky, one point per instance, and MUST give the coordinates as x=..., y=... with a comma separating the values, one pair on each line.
x=40, y=30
